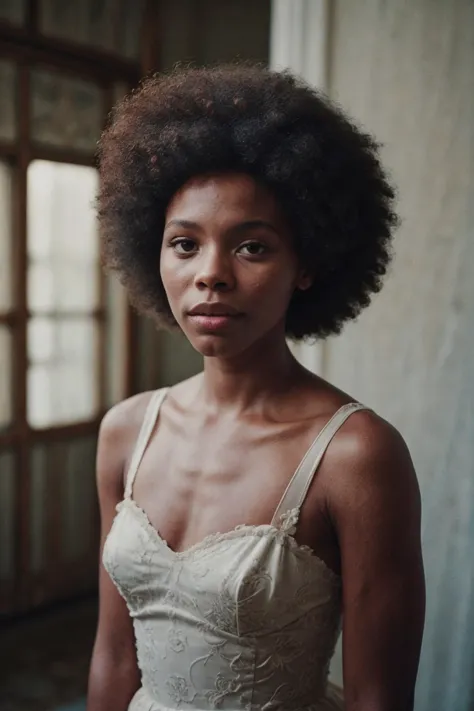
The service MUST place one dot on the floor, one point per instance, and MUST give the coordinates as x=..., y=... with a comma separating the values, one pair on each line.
x=45, y=659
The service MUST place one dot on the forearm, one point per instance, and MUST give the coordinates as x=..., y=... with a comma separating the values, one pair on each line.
x=375, y=706
x=112, y=684
x=379, y=701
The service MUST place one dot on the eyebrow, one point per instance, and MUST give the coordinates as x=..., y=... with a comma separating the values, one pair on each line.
x=241, y=227
x=183, y=223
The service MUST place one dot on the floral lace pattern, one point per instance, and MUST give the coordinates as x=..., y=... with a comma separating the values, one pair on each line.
x=244, y=620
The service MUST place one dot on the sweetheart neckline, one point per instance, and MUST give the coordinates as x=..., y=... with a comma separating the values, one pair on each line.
x=214, y=539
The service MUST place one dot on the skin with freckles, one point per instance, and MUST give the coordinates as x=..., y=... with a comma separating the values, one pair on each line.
x=229, y=439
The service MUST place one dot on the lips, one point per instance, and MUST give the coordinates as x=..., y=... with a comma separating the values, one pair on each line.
x=214, y=316
x=214, y=309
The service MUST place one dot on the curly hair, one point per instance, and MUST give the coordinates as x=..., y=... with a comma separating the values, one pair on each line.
x=324, y=171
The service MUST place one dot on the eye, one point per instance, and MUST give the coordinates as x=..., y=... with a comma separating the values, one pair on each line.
x=253, y=249
x=183, y=245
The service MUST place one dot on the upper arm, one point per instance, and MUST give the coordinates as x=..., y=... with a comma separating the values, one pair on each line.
x=115, y=637
x=377, y=511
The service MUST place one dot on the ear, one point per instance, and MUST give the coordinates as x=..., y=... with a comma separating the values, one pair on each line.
x=304, y=280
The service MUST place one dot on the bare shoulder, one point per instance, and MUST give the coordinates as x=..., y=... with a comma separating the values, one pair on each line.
x=117, y=436
x=125, y=415
x=370, y=468
x=369, y=439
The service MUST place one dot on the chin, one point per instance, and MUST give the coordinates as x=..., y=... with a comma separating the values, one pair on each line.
x=211, y=346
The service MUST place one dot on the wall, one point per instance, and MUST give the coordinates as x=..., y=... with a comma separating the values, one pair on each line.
x=208, y=31
x=406, y=71
x=205, y=31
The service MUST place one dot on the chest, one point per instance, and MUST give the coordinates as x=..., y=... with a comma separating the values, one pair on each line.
x=195, y=480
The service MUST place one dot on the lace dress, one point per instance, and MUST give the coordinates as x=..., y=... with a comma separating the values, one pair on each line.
x=246, y=619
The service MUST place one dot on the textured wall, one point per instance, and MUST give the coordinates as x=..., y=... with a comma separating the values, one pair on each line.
x=406, y=71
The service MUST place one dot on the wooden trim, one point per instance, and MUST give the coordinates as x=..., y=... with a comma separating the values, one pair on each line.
x=20, y=361
x=13, y=32
x=131, y=357
x=9, y=588
x=64, y=582
x=150, y=62
x=61, y=155
x=55, y=458
x=101, y=346
x=99, y=314
x=12, y=317
x=7, y=598
x=8, y=318
x=80, y=59
x=15, y=435
x=32, y=17
x=9, y=437
x=101, y=375
x=66, y=431
x=20, y=222
x=27, y=48
x=8, y=151
x=151, y=30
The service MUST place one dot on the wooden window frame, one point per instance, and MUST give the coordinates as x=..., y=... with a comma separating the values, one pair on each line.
x=27, y=48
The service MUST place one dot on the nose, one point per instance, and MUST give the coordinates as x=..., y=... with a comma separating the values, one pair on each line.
x=214, y=271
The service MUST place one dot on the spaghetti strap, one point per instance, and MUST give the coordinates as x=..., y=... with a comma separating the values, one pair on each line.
x=149, y=421
x=296, y=491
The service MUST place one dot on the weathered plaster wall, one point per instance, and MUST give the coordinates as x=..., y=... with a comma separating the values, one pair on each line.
x=406, y=71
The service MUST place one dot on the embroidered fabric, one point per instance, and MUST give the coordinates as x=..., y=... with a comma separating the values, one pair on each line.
x=246, y=619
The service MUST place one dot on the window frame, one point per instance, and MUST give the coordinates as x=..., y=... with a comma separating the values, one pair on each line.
x=28, y=49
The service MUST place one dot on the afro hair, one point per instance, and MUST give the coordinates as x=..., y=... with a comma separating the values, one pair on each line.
x=323, y=169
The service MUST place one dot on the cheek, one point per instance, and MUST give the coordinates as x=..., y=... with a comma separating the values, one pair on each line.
x=273, y=290
x=173, y=274
x=173, y=285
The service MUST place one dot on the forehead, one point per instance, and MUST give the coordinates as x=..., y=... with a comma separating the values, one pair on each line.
x=230, y=195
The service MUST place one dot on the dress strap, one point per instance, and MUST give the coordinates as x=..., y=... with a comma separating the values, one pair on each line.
x=296, y=491
x=149, y=421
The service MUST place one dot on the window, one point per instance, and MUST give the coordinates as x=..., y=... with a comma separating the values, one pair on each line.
x=65, y=346
x=63, y=294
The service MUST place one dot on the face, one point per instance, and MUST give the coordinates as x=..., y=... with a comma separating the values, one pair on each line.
x=228, y=264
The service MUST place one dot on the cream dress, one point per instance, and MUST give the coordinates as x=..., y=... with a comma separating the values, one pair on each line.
x=246, y=619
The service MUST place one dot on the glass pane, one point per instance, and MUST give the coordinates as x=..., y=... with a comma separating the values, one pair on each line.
x=61, y=341
x=62, y=288
x=5, y=236
x=8, y=107
x=116, y=340
x=5, y=377
x=130, y=28
x=62, y=377
x=7, y=516
x=85, y=21
x=59, y=18
x=65, y=112
x=63, y=243
x=98, y=23
x=79, y=501
x=38, y=507
x=13, y=11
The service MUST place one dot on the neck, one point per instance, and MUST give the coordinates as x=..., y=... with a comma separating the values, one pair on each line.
x=253, y=377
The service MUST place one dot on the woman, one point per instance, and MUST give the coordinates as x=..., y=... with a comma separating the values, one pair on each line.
x=244, y=509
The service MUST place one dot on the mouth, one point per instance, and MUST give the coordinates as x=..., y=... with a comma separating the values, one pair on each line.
x=214, y=322
x=216, y=308
x=214, y=316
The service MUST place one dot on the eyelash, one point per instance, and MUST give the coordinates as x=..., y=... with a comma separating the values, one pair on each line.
x=179, y=241
x=182, y=240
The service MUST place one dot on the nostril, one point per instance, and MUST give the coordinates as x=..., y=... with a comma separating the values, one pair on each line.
x=214, y=284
